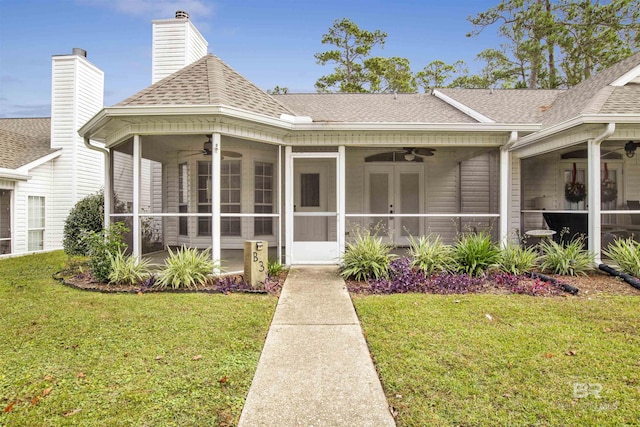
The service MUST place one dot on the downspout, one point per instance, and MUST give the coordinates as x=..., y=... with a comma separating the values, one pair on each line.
x=107, y=178
x=505, y=178
x=595, y=219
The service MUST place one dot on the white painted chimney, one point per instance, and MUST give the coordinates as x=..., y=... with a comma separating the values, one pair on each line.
x=176, y=44
x=77, y=94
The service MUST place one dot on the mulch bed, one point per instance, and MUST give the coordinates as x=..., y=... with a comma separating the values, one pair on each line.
x=233, y=283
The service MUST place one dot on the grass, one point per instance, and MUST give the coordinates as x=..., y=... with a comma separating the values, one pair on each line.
x=69, y=357
x=443, y=362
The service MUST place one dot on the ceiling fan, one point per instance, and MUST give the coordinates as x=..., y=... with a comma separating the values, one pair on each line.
x=207, y=150
x=410, y=153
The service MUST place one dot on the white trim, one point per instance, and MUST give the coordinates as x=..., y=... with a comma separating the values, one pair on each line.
x=215, y=198
x=627, y=77
x=505, y=188
x=44, y=159
x=460, y=106
x=288, y=197
x=13, y=175
x=137, y=155
x=279, y=250
x=342, y=200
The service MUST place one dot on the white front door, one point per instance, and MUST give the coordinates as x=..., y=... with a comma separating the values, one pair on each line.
x=314, y=208
x=396, y=189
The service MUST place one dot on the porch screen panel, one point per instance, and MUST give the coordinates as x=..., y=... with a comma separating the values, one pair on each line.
x=122, y=178
x=5, y=221
x=410, y=203
x=183, y=198
x=379, y=201
x=204, y=198
x=230, y=196
x=263, y=198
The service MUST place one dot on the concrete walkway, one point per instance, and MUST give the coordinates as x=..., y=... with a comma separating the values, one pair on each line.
x=315, y=368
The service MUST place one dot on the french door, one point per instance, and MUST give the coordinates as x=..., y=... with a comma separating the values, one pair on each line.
x=393, y=191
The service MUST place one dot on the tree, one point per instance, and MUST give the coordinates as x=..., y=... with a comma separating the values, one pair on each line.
x=353, y=46
x=389, y=75
x=560, y=43
x=278, y=90
x=439, y=74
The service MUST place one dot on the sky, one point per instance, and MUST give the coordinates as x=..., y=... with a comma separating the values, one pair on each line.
x=272, y=43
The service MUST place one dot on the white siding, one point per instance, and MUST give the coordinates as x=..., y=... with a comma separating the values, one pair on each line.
x=479, y=190
x=76, y=95
x=40, y=184
x=176, y=44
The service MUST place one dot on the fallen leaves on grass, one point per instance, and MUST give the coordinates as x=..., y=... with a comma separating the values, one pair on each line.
x=75, y=411
x=46, y=391
x=9, y=407
x=197, y=357
x=571, y=353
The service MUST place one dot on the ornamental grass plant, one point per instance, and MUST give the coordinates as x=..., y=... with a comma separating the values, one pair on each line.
x=128, y=270
x=566, y=259
x=430, y=254
x=186, y=268
x=367, y=257
x=626, y=254
x=516, y=259
x=474, y=253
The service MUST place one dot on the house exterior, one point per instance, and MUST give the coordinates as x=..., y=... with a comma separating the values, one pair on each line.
x=45, y=167
x=204, y=158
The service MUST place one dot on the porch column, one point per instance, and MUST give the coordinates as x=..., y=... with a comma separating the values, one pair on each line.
x=135, y=232
x=593, y=198
x=505, y=195
x=342, y=200
x=280, y=260
x=288, y=200
x=108, y=188
x=215, y=197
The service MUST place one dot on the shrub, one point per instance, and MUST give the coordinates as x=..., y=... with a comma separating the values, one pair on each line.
x=186, y=268
x=87, y=215
x=127, y=270
x=516, y=259
x=274, y=267
x=430, y=255
x=626, y=254
x=570, y=259
x=474, y=253
x=368, y=257
x=102, y=246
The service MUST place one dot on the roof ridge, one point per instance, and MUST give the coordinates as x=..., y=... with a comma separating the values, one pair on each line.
x=215, y=80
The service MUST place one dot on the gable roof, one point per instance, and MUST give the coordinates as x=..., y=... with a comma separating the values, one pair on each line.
x=506, y=105
x=24, y=140
x=593, y=94
x=208, y=81
x=373, y=108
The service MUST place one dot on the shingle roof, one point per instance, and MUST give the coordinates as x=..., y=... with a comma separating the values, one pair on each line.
x=208, y=81
x=624, y=99
x=592, y=95
x=506, y=105
x=372, y=108
x=23, y=141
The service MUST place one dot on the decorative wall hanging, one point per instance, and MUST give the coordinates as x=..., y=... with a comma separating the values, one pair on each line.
x=575, y=191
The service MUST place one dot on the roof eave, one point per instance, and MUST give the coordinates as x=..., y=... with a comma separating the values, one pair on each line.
x=576, y=121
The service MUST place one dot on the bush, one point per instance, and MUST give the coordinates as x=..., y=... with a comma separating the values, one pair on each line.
x=274, y=268
x=474, y=253
x=127, y=270
x=368, y=257
x=516, y=259
x=102, y=246
x=87, y=215
x=626, y=254
x=430, y=255
x=186, y=268
x=570, y=259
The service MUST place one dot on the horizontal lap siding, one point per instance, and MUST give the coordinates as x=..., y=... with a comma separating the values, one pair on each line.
x=40, y=184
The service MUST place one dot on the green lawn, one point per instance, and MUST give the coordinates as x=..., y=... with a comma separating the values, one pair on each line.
x=443, y=362
x=69, y=357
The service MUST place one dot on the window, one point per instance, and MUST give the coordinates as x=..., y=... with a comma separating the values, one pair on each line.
x=5, y=221
x=230, y=191
x=183, y=222
x=35, y=223
x=263, y=198
x=204, y=198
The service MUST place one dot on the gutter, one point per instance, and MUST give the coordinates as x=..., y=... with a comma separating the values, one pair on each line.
x=107, y=177
x=594, y=198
